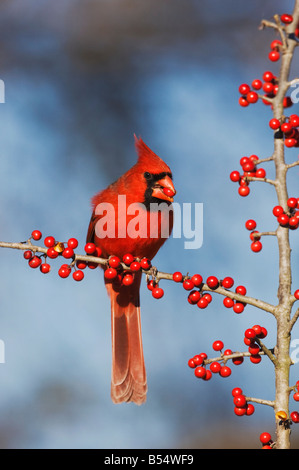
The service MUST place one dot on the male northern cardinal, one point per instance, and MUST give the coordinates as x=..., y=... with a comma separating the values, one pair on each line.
x=148, y=181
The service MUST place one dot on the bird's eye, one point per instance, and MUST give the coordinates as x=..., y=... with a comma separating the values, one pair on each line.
x=147, y=175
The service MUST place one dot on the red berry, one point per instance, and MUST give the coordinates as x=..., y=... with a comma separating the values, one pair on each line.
x=294, y=120
x=157, y=292
x=244, y=191
x=227, y=282
x=215, y=367
x=212, y=282
x=241, y=290
x=250, y=333
x=237, y=391
x=292, y=202
x=277, y=211
x=45, y=268
x=252, y=97
x=128, y=259
x=295, y=416
x=27, y=254
x=290, y=142
x=228, y=302
x=253, y=348
x=263, y=334
x=265, y=438
x=81, y=264
x=238, y=360
x=135, y=266
x=78, y=275
x=110, y=273
x=72, y=243
x=90, y=248
x=260, y=173
x=208, y=375
x=145, y=264
x=296, y=294
x=200, y=372
x=275, y=44
x=274, y=56
x=194, y=296
x=36, y=234
x=68, y=253
x=188, y=284
x=202, y=303
x=256, y=84
x=249, y=409
x=255, y=358
x=151, y=284
x=225, y=371
x=218, y=345
x=286, y=127
x=293, y=222
x=240, y=411
x=197, y=280
x=256, y=246
x=238, y=307
x=268, y=76
x=287, y=102
x=235, y=176
x=35, y=262
x=49, y=242
x=296, y=396
x=52, y=253
x=227, y=352
x=286, y=18
x=244, y=89
x=240, y=401
x=207, y=297
x=177, y=276
x=283, y=219
x=199, y=358
x=128, y=279
x=191, y=363
x=257, y=329
x=254, y=236
x=250, y=224
x=243, y=102
x=274, y=124
x=64, y=271
x=114, y=262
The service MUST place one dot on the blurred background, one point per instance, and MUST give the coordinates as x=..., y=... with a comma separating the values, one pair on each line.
x=81, y=77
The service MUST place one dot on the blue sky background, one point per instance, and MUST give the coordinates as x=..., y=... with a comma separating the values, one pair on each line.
x=81, y=78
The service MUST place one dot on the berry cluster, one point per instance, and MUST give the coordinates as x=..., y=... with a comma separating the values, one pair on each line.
x=268, y=85
x=251, y=336
x=287, y=129
x=289, y=218
x=121, y=272
x=218, y=365
x=55, y=249
x=242, y=407
x=256, y=244
x=249, y=167
x=194, y=285
x=237, y=306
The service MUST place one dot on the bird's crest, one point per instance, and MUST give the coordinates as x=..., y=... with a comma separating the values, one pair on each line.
x=148, y=158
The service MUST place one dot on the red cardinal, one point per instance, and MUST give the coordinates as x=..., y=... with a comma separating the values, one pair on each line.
x=148, y=181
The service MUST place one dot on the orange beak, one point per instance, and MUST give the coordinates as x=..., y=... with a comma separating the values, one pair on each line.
x=164, y=189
